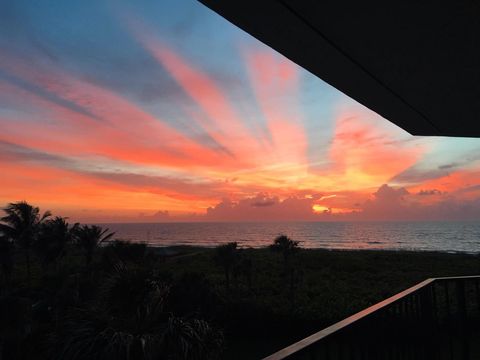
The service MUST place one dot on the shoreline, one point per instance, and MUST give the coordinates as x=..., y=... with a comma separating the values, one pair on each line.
x=178, y=250
x=396, y=251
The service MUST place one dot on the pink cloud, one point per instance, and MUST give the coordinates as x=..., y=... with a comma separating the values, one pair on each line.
x=365, y=152
x=275, y=83
x=262, y=207
x=120, y=130
x=221, y=121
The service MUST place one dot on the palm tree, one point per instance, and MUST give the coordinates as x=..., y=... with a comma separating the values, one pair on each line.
x=126, y=251
x=130, y=322
x=6, y=259
x=54, y=236
x=21, y=224
x=15, y=327
x=89, y=238
x=226, y=256
x=286, y=246
x=243, y=267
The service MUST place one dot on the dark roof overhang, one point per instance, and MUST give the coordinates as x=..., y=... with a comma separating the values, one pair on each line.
x=416, y=63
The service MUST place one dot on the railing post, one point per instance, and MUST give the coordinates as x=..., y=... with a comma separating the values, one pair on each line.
x=477, y=293
x=461, y=302
x=428, y=321
x=462, y=319
x=434, y=302
x=447, y=299
x=426, y=304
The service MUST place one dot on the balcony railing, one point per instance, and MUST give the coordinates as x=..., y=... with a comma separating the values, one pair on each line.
x=438, y=318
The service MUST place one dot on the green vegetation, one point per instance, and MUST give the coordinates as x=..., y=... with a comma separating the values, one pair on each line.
x=68, y=294
x=123, y=300
x=226, y=256
x=257, y=318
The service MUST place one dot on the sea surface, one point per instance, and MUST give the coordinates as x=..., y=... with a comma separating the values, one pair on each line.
x=420, y=236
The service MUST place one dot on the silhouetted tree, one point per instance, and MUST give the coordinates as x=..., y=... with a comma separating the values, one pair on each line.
x=130, y=322
x=286, y=246
x=15, y=326
x=243, y=268
x=128, y=286
x=6, y=260
x=226, y=256
x=126, y=251
x=192, y=294
x=54, y=236
x=89, y=237
x=21, y=224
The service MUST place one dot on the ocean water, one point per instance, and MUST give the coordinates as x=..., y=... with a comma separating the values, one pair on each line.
x=422, y=236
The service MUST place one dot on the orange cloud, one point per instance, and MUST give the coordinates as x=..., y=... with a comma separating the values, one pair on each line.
x=461, y=183
x=364, y=154
x=59, y=188
x=121, y=131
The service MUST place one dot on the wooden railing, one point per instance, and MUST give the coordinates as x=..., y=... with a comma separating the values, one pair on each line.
x=438, y=318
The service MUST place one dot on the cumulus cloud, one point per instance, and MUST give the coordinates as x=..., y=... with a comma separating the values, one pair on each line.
x=391, y=203
x=388, y=193
x=262, y=208
x=387, y=203
x=265, y=202
x=429, y=192
x=160, y=216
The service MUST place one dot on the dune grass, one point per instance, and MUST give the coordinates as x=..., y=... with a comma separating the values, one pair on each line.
x=330, y=285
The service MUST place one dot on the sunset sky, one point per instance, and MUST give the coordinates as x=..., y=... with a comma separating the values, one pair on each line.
x=163, y=111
